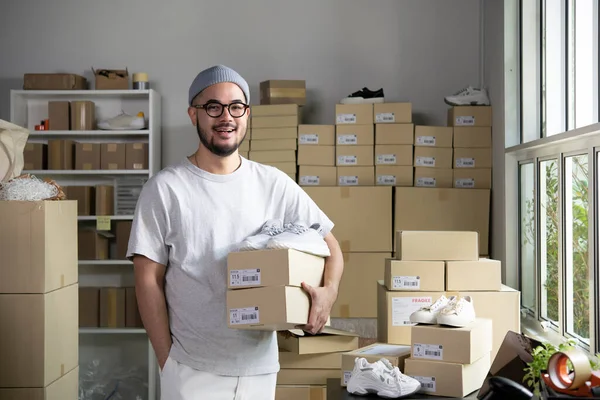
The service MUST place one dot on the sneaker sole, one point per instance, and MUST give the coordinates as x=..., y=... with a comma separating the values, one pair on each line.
x=360, y=100
x=467, y=103
x=275, y=244
x=383, y=395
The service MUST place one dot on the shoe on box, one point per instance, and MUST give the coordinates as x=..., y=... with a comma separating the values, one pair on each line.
x=124, y=121
x=429, y=315
x=259, y=241
x=380, y=378
x=468, y=96
x=301, y=237
x=459, y=314
x=365, y=96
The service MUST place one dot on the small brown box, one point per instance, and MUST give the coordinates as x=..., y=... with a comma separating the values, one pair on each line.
x=311, y=175
x=112, y=156
x=91, y=245
x=283, y=92
x=394, y=154
x=133, y=318
x=355, y=135
x=363, y=156
x=56, y=81
x=83, y=115
x=60, y=154
x=361, y=114
x=89, y=307
x=473, y=157
x=111, y=79
x=394, y=134
x=112, y=307
x=123, y=230
x=392, y=113
x=470, y=116
x=87, y=156
x=321, y=156
x=356, y=176
x=105, y=200
x=84, y=196
x=59, y=117
x=394, y=175
x=433, y=157
x=136, y=156
x=433, y=136
x=35, y=156
x=433, y=177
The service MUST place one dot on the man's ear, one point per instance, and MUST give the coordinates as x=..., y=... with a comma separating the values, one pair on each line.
x=192, y=114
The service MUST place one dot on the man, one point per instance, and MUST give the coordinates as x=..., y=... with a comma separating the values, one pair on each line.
x=188, y=218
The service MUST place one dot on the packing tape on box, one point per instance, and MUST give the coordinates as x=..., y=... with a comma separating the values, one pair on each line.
x=317, y=393
x=345, y=311
x=62, y=280
x=558, y=370
x=346, y=257
x=344, y=192
x=62, y=369
x=345, y=246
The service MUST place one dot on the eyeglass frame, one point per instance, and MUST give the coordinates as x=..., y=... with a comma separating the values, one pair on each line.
x=223, y=107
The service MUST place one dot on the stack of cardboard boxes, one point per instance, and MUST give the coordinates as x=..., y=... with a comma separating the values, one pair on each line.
x=38, y=300
x=433, y=156
x=274, y=134
x=316, y=155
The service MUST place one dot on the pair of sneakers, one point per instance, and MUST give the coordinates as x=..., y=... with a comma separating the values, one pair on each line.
x=380, y=378
x=452, y=311
x=300, y=236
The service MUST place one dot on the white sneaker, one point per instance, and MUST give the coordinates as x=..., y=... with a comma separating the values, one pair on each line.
x=429, y=314
x=301, y=237
x=259, y=241
x=468, y=96
x=124, y=121
x=458, y=314
x=380, y=378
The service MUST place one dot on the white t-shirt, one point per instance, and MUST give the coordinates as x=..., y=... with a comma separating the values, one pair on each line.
x=189, y=220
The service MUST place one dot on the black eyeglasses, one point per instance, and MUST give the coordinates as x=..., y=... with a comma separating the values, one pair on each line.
x=215, y=109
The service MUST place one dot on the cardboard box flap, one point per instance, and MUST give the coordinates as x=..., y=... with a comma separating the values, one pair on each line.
x=327, y=331
x=111, y=73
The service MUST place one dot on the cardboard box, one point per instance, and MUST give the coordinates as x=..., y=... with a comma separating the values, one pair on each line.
x=395, y=354
x=283, y=91
x=356, y=176
x=470, y=116
x=84, y=196
x=322, y=135
x=330, y=341
x=89, y=307
x=483, y=274
x=394, y=134
x=323, y=156
x=472, y=136
x=433, y=177
x=35, y=156
x=359, y=114
x=355, y=135
x=370, y=233
x=394, y=154
x=38, y=243
x=289, y=167
x=361, y=272
x=305, y=392
x=317, y=176
x=473, y=158
x=274, y=144
x=136, y=156
x=448, y=379
x=472, y=178
x=306, y=376
x=91, y=245
x=87, y=156
x=354, y=155
x=60, y=154
x=105, y=200
x=433, y=157
x=65, y=387
x=112, y=156
x=437, y=245
x=433, y=136
x=454, y=345
x=394, y=175
x=112, y=307
x=133, y=319
x=122, y=233
x=272, y=308
x=245, y=145
x=280, y=267
x=286, y=121
x=83, y=115
x=428, y=276
x=433, y=209
x=394, y=309
x=111, y=79
x=273, y=156
x=59, y=115
x=392, y=113
x=272, y=133
x=40, y=335
x=274, y=110
x=326, y=360
x=54, y=81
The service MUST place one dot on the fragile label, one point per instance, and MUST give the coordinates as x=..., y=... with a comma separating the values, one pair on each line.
x=465, y=162
x=309, y=138
x=347, y=139
x=347, y=160
x=406, y=282
x=403, y=307
x=464, y=120
x=386, y=180
x=426, y=182
x=425, y=161
x=348, y=180
x=427, y=383
x=244, y=277
x=346, y=118
x=247, y=315
x=385, y=117
x=386, y=159
x=465, y=183
x=347, y=375
x=309, y=180
x=428, y=351
x=426, y=140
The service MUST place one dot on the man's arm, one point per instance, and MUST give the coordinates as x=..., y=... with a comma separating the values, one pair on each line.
x=149, y=288
x=323, y=298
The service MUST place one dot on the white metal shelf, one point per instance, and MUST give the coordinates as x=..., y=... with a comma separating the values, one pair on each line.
x=105, y=262
x=112, y=217
x=72, y=93
x=112, y=331
x=106, y=172
x=98, y=133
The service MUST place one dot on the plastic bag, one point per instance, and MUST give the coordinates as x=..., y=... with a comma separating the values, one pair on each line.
x=103, y=380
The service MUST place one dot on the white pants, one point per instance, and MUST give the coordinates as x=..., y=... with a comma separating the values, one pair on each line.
x=180, y=382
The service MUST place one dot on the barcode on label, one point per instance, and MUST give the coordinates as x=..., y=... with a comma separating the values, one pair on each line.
x=425, y=162
x=428, y=351
x=465, y=163
x=347, y=376
x=386, y=180
x=426, y=140
x=385, y=117
x=348, y=180
x=247, y=315
x=347, y=160
x=426, y=182
x=309, y=138
x=386, y=159
x=411, y=284
x=249, y=278
x=346, y=118
x=464, y=120
x=251, y=316
x=432, y=353
x=465, y=183
x=427, y=383
x=309, y=180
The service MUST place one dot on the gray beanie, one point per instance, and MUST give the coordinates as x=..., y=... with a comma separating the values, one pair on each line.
x=214, y=75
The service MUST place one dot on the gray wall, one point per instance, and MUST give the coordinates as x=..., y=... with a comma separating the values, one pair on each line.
x=418, y=50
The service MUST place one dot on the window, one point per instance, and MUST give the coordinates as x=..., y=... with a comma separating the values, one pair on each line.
x=528, y=236
x=549, y=250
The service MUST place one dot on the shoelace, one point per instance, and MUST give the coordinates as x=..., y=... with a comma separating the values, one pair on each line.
x=454, y=307
x=295, y=228
x=272, y=230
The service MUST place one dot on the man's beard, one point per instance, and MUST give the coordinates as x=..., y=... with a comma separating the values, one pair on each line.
x=219, y=150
